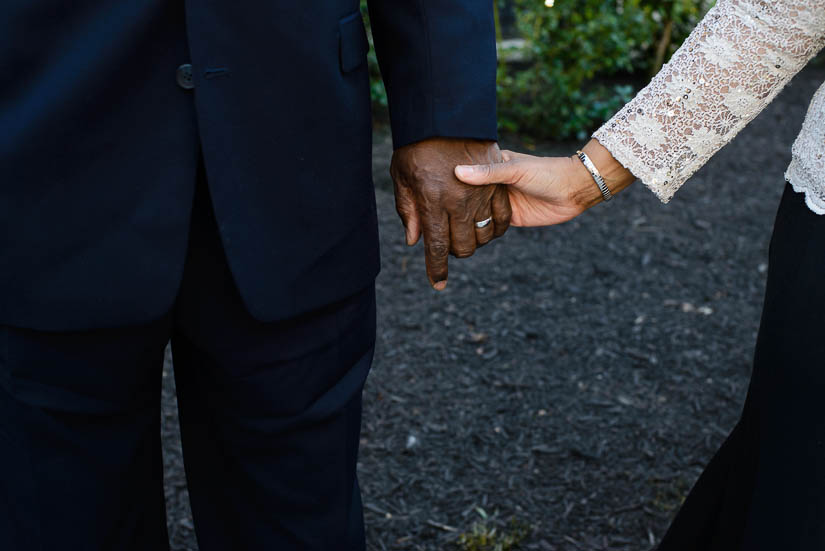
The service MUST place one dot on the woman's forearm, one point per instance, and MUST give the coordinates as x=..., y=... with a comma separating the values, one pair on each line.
x=734, y=63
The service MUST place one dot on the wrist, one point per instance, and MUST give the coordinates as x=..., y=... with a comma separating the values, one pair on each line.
x=584, y=190
x=615, y=175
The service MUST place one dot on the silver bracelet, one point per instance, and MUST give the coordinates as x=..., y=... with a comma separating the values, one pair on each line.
x=588, y=164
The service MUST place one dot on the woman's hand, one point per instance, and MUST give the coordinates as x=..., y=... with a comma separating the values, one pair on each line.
x=549, y=190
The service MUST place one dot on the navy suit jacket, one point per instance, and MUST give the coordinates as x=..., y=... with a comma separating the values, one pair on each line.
x=99, y=145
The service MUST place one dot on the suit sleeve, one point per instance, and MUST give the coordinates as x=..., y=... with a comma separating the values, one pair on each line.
x=438, y=60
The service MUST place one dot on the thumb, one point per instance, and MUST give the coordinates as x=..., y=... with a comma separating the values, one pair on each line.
x=495, y=173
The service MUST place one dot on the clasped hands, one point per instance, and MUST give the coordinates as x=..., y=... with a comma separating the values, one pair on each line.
x=444, y=186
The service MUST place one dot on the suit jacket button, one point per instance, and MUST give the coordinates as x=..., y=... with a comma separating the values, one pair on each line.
x=184, y=76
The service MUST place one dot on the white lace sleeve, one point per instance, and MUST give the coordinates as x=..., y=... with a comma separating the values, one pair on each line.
x=733, y=64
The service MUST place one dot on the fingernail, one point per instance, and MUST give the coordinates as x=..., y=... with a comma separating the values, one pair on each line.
x=440, y=286
x=465, y=170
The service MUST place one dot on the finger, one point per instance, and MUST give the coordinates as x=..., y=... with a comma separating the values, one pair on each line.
x=405, y=206
x=436, y=230
x=484, y=235
x=502, y=212
x=462, y=236
x=491, y=173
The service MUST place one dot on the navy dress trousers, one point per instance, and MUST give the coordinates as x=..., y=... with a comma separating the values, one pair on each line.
x=199, y=171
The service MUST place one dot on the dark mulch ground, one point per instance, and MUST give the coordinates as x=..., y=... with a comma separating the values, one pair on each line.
x=575, y=379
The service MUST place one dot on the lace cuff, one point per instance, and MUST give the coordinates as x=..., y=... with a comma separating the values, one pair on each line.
x=732, y=66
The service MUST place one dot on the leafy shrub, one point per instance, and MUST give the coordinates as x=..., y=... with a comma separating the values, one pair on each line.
x=586, y=59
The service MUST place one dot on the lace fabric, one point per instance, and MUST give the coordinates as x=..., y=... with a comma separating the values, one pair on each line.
x=807, y=170
x=730, y=68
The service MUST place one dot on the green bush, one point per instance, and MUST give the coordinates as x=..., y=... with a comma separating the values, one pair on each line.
x=585, y=59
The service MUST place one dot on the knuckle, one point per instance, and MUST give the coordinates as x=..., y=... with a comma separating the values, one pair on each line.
x=430, y=193
x=438, y=249
x=424, y=174
x=405, y=211
x=464, y=252
x=504, y=217
x=437, y=226
x=485, y=235
x=458, y=204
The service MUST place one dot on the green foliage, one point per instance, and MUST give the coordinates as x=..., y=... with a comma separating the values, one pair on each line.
x=585, y=60
x=485, y=535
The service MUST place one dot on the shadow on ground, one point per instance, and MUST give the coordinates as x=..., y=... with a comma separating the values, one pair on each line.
x=575, y=379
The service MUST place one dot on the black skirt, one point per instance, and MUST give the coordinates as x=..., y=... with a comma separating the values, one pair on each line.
x=764, y=490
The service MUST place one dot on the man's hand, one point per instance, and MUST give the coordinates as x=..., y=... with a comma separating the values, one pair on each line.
x=432, y=202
